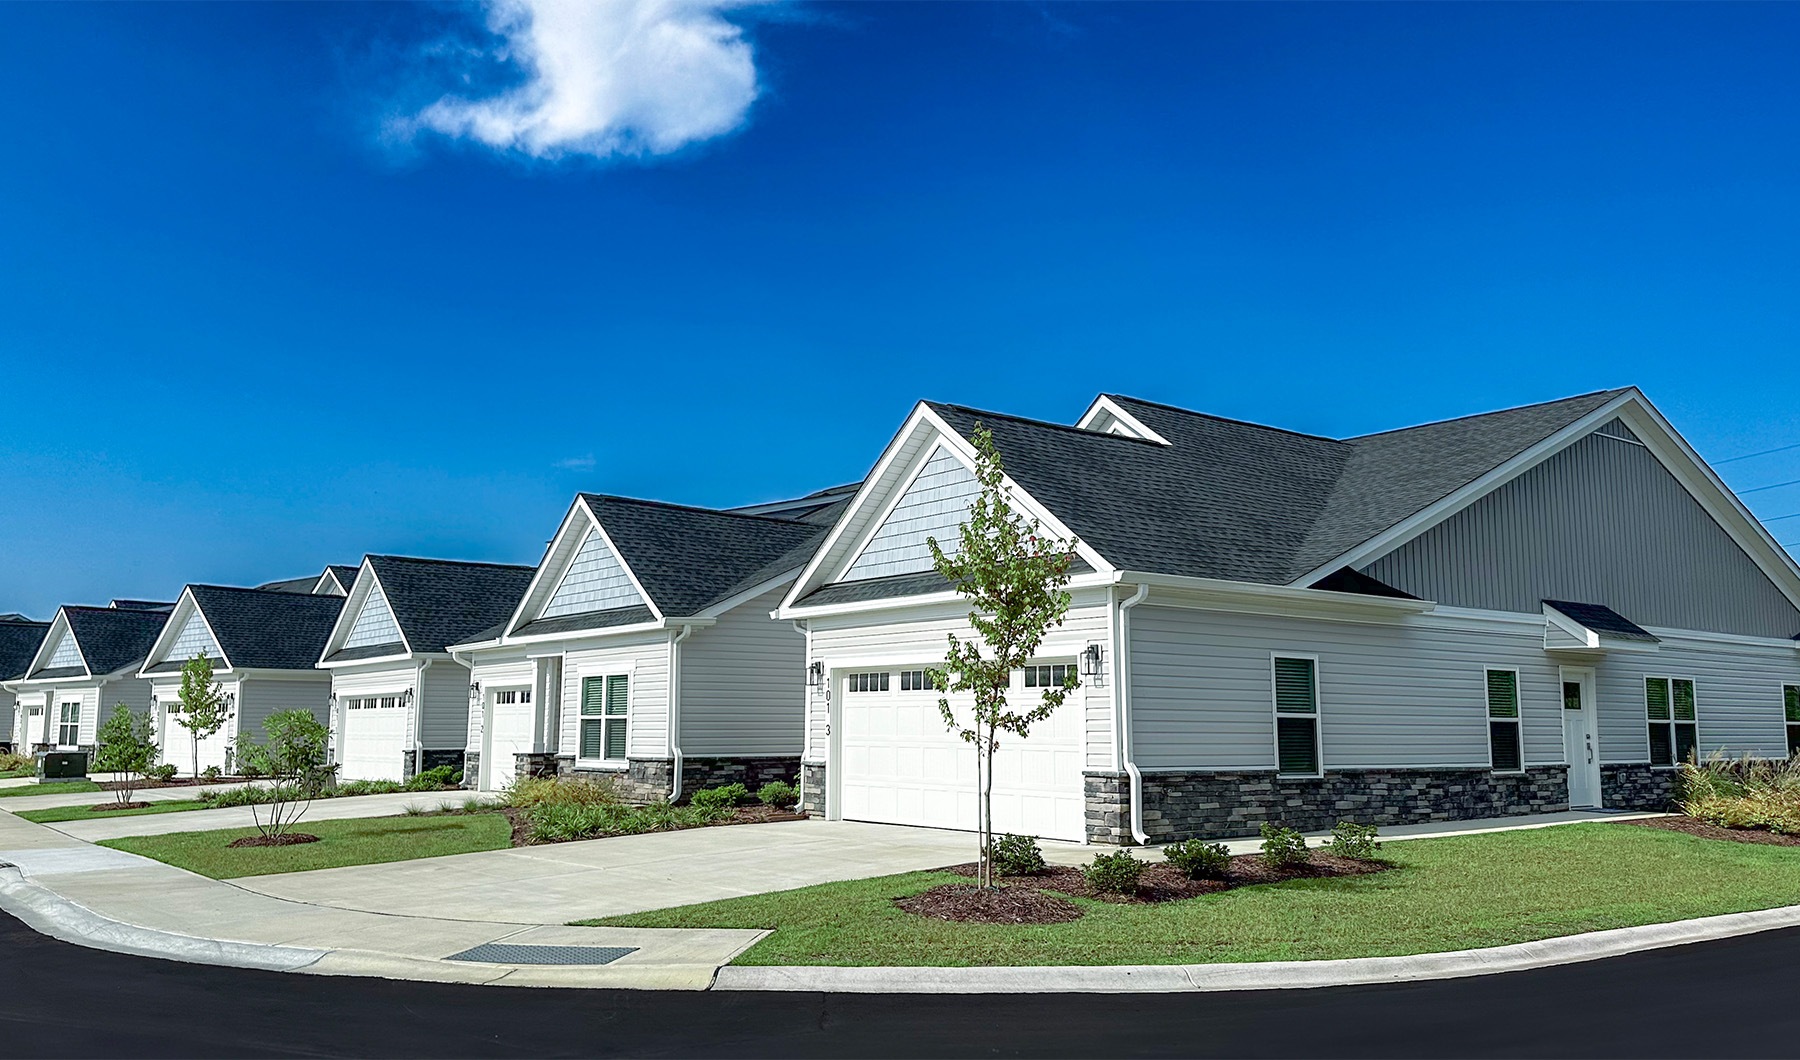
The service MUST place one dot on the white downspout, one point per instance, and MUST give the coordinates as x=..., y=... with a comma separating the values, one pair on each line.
x=674, y=720
x=1122, y=715
x=418, y=716
x=806, y=695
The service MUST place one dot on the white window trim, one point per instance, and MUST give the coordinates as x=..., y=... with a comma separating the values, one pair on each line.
x=1488, y=719
x=1318, y=716
x=630, y=716
x=1644, y=701
x=78, y=705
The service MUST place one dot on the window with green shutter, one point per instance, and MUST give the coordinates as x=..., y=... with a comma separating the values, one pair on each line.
x=1505, y=752
x=605, y=715
x=1671, y=713
x=1790, y=697
x=1297, y=716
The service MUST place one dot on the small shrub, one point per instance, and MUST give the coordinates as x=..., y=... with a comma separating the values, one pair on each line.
x=1747, y=793
x=1199, y=860
x=723, y=797
x=13, y=763
x=353, y=788
x=1115, y=873
x=1017, y=855
x=210, y=774
x=433, y=779
x=411, y=810
x=1352, y=840
x=456, y=779
x=560, y=822
x=527, y=792
x=778, y=793
x=1283, y=848
x=162, y=774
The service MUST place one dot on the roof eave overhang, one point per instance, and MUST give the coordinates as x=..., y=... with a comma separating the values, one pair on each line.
x=1285, y=597
x=788, y=612
x=604, y=631
x=379, y=660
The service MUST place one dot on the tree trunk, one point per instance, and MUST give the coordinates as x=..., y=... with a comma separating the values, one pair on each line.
x=194, y=735
x=987, y=803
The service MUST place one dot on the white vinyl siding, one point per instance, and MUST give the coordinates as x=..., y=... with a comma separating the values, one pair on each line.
x=193, y=640
x=66, y=653
x=374, y=622
x=645, y=658
x=741, y=682
x=1738, y=710
x=259, y=697
x=595, y=581
x=444, y=706
x=934, y=505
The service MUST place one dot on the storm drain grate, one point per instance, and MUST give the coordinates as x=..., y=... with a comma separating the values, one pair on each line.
x=505, y=953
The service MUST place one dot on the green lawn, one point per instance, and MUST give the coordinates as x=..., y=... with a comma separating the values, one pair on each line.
x=14, y=774
x=1445, y=894
x=88, y=813
x=359, y=841
x=53, y=787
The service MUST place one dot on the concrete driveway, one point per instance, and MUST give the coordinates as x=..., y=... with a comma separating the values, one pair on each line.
x=243, y=817
x=557, y=883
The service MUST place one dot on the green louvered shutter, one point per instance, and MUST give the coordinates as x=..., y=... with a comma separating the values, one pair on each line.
x=618, y=704
x=593, y=706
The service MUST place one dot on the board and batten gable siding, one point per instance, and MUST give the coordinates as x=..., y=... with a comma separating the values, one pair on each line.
x=1737, y=697
x=259, y=697
x=193, y=640
x=444, y=700
x=645, y=656
x=934, y=505
x=1601, y=522
x=1391, y=695
x=918, y=637
x=595, y=581
x=741, y=682
x=494, y=670
x=66, y=653
x=374, y=623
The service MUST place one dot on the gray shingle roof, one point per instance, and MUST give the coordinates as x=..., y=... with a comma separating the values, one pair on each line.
x=618, y=616
x=19, y=643
x=367, y=651
x=113, y=638
x=438, y=602
x=1243, y=502
x=1602, y=619
x=345, y=573
x=263, y=630
x=290, y=585
x=688, y=559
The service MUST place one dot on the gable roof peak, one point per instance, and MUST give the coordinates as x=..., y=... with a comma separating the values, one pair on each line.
x=1233, y=421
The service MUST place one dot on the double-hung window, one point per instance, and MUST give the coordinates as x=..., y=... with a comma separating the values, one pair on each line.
x=1790, y=702
x=605, y=713
x=68, y=725
x=1505, y=754
x=1297, y=716
x=1669, y=707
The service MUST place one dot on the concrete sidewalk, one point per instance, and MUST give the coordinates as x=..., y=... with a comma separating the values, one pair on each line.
x=112, y=900
x=240, y=816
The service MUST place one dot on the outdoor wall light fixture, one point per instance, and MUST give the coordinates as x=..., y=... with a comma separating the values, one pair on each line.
x=1090, y=661
x=815, y=675
x=475, y=690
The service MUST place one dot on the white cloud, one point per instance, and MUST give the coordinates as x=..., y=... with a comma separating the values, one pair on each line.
x=607, y=77
x=577, y=463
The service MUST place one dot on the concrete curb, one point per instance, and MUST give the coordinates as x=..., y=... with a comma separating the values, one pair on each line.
x=1271, y=975
x=49, y=913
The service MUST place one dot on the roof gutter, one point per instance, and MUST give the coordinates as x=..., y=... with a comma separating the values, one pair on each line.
x=1122, y=713
x=1274, y=595
x=675, y=708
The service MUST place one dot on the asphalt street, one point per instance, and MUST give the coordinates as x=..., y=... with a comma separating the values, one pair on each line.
x=1730, y=998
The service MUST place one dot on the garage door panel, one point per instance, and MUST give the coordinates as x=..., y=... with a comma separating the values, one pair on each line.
x=374, y=742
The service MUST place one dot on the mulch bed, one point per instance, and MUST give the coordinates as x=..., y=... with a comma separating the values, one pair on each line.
x=109, y=807
x=758, y=815
x=1008, y=905
x=521, y=820
x=1162, y=882
x=1706, y=830
x=287, y=840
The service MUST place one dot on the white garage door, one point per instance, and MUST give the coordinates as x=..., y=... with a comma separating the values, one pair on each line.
x=508, y=733
x=374, y=738
x=900, y=764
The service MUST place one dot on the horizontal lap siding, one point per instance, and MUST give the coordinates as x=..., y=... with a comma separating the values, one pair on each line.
x=921, y=639
x=259, y=697
x=741, y=683
x=1390, y=695
x=1737, y=699
x=646, y=657
x=1600, y=522
x=445, y=699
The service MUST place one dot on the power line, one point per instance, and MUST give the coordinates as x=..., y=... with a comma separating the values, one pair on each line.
x=1765, y=452
x=1772, y=486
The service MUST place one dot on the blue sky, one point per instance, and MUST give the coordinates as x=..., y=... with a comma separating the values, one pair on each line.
x=284, y=284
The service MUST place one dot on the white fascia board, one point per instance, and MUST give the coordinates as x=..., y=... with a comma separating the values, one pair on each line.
x=1105, y=405
x=1220, y=594
x=346, y=619
x=1589, y=638
x=577, y=516
x=1426, y=518
x=43, y=653
x=379, y=660
x=894, y=603
x=1705, y=486
x=609, y=631
x=895, y=447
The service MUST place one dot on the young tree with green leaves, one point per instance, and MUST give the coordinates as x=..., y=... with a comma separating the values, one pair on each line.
x=1014, y=577
x=126, y=745
x=293, y=757
x=204, y=708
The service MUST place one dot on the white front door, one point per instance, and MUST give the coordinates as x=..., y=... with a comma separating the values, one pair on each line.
x=375, y=741
x=897, y=763
x=508, y=728
x=1580, y=738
